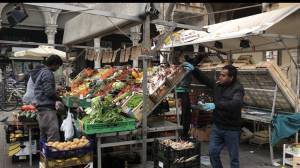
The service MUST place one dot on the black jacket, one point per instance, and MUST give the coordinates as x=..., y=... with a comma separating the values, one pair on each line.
x=228, y=101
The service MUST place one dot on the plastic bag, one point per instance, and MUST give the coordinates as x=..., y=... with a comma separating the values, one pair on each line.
x=67, y=127
x=28, y=97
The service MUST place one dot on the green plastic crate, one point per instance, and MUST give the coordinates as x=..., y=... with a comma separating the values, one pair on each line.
x=73, y=101
x=127, y=125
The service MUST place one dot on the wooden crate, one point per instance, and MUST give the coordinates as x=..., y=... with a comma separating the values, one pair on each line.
x=264, y=75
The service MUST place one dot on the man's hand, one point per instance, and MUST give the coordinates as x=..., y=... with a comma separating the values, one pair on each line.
x=208, y=106
x=187, y=66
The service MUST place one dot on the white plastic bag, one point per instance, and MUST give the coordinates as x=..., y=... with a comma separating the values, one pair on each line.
x=67, y=127
x=28, y=97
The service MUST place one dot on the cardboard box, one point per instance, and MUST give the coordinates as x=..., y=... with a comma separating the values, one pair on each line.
x=296, y=162
x=201, y=134
x=25, y=150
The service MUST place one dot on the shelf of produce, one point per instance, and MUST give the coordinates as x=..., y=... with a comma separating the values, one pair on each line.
x=168, y=91
x=173, y=111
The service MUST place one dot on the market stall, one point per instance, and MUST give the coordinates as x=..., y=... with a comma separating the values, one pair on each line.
x=109, y=93
x=262, y=32
x=118, y=101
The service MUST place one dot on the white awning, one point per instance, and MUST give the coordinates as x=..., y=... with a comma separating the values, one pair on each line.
x=261, y=29
x=40, y=52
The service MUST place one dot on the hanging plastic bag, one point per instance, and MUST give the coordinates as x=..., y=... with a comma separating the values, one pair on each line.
x=67, y=127
x=28, y=97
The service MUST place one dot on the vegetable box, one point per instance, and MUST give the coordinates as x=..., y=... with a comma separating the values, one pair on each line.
x=160, y=92
x=133, y=106
x=167, y=157
x=81, y=159
x=127, y=125
x=177, y=76
x=50, y=154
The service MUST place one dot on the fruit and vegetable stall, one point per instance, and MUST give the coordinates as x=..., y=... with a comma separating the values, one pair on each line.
x=108, y=102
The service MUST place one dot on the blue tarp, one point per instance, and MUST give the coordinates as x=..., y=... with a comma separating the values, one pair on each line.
x=284, y=126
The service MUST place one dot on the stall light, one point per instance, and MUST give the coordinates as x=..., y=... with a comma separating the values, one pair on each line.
x=218, y=44
x=16, y=16
x=244, y=43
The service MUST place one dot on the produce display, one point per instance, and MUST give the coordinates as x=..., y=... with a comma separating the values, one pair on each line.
x=134, y=101
x=111, y=87
x=181, y=145
x=157, y=76
x=103, y=111
x=70, y=145
x=66, y=162
x=28, y=113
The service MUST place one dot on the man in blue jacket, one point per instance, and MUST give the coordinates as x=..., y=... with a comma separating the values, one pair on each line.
x=228, y=101
x=45, y=97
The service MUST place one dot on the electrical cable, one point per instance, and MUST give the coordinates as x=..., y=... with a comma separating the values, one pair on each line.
x=117, y=27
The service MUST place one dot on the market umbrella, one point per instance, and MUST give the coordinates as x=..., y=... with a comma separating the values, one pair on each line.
x=41, y=51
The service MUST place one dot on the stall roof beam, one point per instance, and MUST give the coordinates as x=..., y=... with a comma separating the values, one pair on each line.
x=37, y=44
x=174, y=24
x=73, y=8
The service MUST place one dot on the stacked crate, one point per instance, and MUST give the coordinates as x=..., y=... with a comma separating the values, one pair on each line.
x=167, y=157
x=68, y=158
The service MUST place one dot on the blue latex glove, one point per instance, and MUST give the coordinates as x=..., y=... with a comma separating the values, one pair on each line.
x=208, y=106
x=187, y=66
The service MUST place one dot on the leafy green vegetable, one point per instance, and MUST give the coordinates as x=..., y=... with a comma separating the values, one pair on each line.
x=134, y=101
x=102, y=111
x=118, y=85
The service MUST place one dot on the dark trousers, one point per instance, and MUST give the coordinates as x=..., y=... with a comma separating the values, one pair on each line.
x=186, y=113
x=220, y=138
x=48, y=124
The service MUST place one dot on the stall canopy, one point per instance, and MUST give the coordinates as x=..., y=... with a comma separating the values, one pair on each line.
x=87, y=26
x=40, y=52
x=265, y=31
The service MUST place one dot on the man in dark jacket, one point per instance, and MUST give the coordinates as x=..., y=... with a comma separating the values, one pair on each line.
x=228, y=101
x=45, y=97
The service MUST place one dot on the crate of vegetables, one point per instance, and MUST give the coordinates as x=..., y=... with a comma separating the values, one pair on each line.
x=133, y=106
x=172, y=154
x=175, y=77
x=127, y=124
x=80, y=160
x=56, y=150
x=104, y=117
x=160, y=92
x=28, y=113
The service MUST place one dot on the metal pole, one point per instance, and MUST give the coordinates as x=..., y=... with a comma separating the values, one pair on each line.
x=99, y=158
x=298, y=83
x=147, y=46
x=270, y=126
x=30, y=147
x=177, y=113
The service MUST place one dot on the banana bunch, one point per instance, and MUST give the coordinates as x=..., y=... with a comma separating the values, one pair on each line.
x=14, y=148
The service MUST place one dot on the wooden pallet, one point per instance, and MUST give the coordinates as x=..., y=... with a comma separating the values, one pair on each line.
x=264, y=75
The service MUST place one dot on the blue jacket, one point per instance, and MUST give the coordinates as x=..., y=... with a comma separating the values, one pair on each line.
x=44, y=88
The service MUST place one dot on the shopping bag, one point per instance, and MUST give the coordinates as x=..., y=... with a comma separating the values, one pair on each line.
x=67, y=127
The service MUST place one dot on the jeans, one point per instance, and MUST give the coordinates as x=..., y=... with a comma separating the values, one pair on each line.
x=220, y=138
